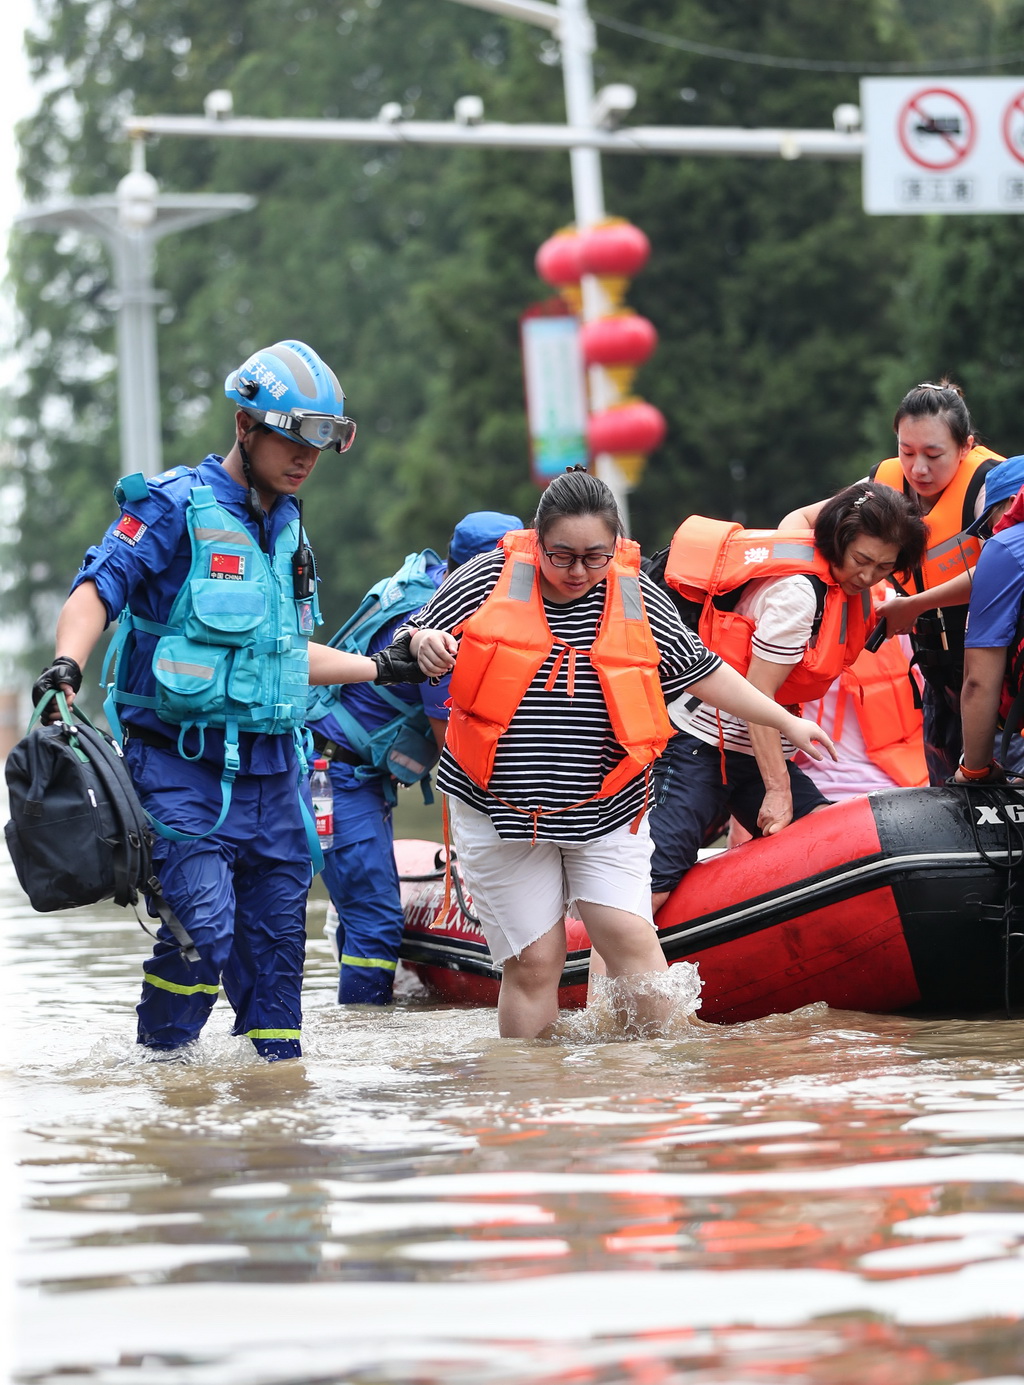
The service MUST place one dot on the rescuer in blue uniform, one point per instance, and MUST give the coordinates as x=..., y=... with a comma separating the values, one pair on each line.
x=359, y=729
x=210, y=572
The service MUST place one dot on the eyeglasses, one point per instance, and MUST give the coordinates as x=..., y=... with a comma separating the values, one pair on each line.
x=591, y=560
x=315, y=430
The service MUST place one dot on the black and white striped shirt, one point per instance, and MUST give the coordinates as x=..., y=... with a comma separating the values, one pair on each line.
x=558, y=748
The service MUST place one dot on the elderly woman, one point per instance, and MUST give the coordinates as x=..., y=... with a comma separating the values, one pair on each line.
x=792, y=633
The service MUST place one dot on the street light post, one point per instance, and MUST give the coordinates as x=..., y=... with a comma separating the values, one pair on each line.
x=587, y=134
x=130, y=223
x=571, y=24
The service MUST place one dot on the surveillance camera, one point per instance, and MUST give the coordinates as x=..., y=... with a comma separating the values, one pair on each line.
x=219, y=105
x=390, y=112
x=612, y=103
x=846, y=118
x=469, y=110
x=136, y=200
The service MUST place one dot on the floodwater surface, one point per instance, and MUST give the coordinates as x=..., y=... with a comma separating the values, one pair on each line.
x=817, y=1197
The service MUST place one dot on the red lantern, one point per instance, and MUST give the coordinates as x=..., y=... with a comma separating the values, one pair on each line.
x=558, y=259
x=622, y=339
x=616, y=250
x=627, y=428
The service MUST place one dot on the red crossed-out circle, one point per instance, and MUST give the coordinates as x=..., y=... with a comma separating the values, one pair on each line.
x=1014, y=116
x=951, y=148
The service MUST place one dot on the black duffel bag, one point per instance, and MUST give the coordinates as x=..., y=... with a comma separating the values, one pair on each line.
x=78, y=833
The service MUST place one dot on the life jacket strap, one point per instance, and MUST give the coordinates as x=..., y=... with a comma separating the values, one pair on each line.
x=721, y=747
x=567, y=650
x=439, y=919
x=153, y=627
x=232, y=763
x=634, y=826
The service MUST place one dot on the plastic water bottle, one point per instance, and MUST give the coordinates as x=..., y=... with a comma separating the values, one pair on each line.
x=323, y=804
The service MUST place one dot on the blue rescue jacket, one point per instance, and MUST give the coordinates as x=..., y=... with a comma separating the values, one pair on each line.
x=234, y=651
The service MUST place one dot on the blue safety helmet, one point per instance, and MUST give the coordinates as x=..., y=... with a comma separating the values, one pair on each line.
x=289, y=389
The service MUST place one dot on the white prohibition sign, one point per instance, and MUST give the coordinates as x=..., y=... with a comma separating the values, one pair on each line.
x=937, y=129
x=1013, y=127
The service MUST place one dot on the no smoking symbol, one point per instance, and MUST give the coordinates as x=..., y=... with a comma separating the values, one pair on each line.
x=1013, y=127
x=937, y=130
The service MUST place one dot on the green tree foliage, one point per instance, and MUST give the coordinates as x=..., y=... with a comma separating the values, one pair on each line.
x=790, y=322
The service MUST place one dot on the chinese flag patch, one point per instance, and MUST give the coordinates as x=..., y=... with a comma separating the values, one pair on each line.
x=230, y=566
x=129, y=529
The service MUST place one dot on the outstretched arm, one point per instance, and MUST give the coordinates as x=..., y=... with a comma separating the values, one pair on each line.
x=804, y=518
x=328, y=665
x=900, y=612
x=729, y=691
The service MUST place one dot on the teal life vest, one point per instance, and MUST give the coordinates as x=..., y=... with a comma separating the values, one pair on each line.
x=403, y=747
x=234, y=652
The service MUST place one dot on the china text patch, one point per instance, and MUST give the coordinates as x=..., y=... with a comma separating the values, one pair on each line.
x=129, y=529
x=230, y=566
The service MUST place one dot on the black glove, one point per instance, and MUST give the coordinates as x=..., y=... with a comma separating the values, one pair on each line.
x=396, y=664
x=62, y=670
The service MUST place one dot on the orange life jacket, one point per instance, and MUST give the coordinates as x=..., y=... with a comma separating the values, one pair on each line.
x=950, y=550
x=710, y=558
x=507, y=639
x=877, y=686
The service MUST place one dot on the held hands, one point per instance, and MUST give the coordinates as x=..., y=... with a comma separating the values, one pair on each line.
x=395, y=664
x=436, y=651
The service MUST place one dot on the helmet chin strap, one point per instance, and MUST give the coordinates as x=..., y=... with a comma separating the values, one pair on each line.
x=253, y=505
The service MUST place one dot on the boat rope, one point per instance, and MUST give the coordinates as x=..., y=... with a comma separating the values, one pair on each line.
x=438, y=874
x=1006, y=912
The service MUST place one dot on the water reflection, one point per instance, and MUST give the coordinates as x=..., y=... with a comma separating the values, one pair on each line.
x=822, y=1196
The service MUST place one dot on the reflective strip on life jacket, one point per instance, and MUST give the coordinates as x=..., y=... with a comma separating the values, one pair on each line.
x=506, y=641
x=709, y=558
x=950, y=549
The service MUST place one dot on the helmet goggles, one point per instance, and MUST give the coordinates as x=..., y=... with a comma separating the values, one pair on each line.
x=312, y=429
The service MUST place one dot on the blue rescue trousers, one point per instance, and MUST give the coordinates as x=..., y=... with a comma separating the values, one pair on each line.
x=241, y=894
x=362, y=880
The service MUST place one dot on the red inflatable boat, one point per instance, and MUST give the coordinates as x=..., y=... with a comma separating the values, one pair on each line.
x=904, y=901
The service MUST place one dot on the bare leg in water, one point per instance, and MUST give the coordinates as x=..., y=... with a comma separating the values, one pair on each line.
x=598, y=967
x=528, y=999
x=627, y=948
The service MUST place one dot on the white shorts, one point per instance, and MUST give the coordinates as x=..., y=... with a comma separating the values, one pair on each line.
x=521, y=890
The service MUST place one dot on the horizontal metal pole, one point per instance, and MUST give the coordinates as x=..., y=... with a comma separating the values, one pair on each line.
x=648, y=139
x=533, y=11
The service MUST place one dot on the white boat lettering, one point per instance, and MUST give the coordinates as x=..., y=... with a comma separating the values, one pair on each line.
x=988, y=813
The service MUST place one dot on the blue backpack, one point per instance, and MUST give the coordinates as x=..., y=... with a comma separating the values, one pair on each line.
x=403, y=748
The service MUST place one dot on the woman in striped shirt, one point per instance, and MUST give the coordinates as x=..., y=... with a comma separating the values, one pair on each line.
x=553, y=819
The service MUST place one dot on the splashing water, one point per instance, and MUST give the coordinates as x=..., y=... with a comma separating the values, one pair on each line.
x=650, y=1005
